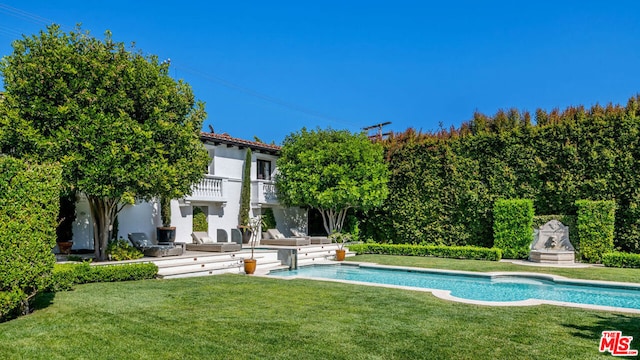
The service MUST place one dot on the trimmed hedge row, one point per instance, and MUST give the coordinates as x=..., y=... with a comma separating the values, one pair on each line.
x=29, y=195
x=65, y=276
x=512, y=224
x=596, y=225
x=456, y=252
x=621, y=260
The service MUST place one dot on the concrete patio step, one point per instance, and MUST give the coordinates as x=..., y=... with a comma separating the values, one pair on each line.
x=312, y=254
x=214, y=264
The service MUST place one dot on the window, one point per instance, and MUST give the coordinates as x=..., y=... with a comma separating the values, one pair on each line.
x=264, y=170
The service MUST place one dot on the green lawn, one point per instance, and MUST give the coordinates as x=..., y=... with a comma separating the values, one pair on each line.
x=238, y=317
x=590, y=273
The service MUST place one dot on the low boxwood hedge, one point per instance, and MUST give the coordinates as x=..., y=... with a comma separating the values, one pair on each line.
x=621, y=260
x=8, y=303
x=456, y=252
x=65, y=276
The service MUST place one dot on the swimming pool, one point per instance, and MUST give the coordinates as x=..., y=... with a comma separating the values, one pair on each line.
x=506, y=289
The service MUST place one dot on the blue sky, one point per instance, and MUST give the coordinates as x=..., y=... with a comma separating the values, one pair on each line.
x=268, y=68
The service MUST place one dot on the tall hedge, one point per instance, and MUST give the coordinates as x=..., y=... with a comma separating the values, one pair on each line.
x=596, y=223
x=443, y=184
x=29, y=195
x=512, y=227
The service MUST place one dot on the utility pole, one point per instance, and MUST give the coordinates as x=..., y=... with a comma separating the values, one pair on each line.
x=378, y=135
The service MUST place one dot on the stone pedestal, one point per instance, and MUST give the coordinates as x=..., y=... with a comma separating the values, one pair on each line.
x=552, y=256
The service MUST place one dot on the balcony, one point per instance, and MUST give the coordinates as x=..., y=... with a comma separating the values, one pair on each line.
x=264, y=192
x=211, y=188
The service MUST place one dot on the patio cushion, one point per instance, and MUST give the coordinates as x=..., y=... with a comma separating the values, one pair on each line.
x=275, y=234
x=199, y=236
x=206, y=240
x=297, y=233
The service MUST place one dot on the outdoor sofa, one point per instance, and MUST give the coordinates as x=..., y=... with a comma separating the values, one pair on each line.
x=276, y=238
x=202, y=242
x=141, y=242
x=315, y=240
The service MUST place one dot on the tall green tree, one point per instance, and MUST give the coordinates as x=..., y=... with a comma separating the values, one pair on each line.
x=331, y=171
x=245, y=191
x=121, y=127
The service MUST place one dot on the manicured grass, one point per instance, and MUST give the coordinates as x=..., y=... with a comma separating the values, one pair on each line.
x=238, y=317
x=590, y=273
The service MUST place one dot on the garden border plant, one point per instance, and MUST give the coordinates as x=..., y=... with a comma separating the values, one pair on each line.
x=121, y=249
x=65, y=276
x=621, y=260
x=443, y=251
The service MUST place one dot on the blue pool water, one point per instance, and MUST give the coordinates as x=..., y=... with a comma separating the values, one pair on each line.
x=480, y=287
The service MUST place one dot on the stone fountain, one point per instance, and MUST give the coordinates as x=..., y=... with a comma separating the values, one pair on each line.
x=551, y=244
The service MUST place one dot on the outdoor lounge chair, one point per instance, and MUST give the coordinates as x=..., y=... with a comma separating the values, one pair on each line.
x=202, y=242
x=314, y=239
x=276, y=238
x=141, y=242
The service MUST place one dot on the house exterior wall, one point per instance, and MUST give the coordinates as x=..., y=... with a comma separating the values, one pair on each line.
x=226, y=168
x=139, y=217
x=290, y=218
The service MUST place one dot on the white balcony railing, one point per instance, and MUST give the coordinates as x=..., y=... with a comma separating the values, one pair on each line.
x=264, y=192
x=211, y=188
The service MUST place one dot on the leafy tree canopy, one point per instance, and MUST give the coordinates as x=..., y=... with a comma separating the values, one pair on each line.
x=122, y=128
x=332, y=171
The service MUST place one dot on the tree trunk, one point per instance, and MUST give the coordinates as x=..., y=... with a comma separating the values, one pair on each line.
x=333, y=220
x=103, y=214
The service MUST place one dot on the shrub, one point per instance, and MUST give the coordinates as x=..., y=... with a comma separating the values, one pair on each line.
x=65, y=276
x=568, y=220
x=596, y=222
x=456, y=252
x=199, y=220
x=268, y=219
x=352, y=227
x=512, y=227
x=9, y=301
x=29, y=195
x=519, y=253
x=122, y=272
x=121, y=250
x=621, y=260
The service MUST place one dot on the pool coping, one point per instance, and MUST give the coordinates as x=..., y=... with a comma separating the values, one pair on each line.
x=446, y=294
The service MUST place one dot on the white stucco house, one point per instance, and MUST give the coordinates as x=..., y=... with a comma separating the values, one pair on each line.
x=218, y=195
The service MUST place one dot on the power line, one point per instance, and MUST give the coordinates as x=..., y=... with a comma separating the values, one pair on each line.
x=37, y=19
x=265, y=97
x=24, y=15
x=10, y=32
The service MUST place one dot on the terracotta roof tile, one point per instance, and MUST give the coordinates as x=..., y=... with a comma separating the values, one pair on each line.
x=227, y=139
